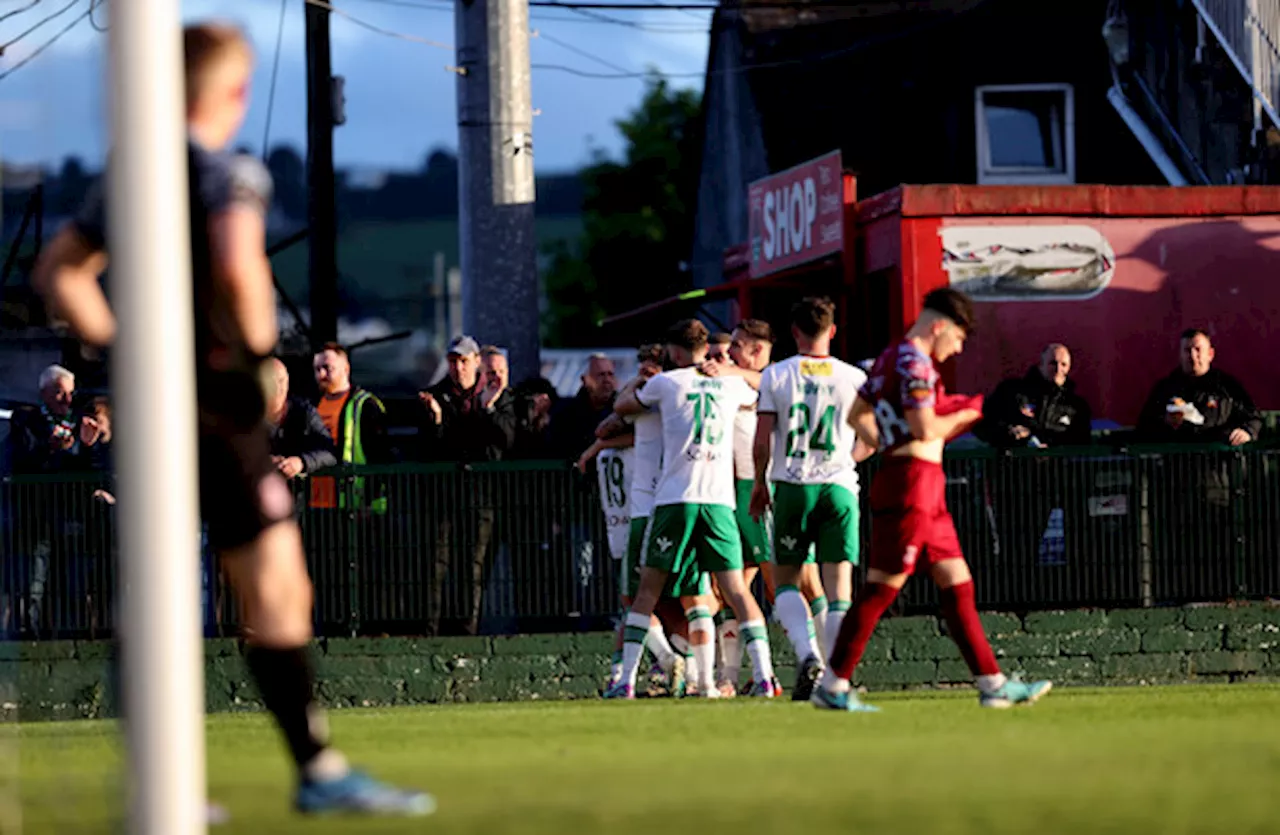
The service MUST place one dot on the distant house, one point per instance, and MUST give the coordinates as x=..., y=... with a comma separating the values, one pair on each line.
x=1118, y=92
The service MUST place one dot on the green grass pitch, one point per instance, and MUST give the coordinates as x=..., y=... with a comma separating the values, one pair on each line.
x=1166, y=760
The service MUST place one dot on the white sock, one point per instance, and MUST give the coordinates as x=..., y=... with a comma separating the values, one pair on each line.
x=818, y=610
x=657, y=643
x=326, y=766
x=731, y=651
x=794, y=614
x=633, y=636
x=757, y=638
x=835, y=617
x=990, y=684
x=702, y=640
x=832, y=683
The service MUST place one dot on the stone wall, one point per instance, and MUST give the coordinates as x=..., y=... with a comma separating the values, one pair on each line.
x=68, y=680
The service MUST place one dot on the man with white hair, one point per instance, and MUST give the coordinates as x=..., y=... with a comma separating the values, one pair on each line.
x=46, y=438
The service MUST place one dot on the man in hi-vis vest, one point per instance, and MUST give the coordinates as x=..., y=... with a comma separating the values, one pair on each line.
x=357, y=422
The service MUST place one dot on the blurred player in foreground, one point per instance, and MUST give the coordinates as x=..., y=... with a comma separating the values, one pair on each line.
x=903, y=411
x=244, y=499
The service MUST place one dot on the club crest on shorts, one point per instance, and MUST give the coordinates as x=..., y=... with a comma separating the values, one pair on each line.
x=909, y=556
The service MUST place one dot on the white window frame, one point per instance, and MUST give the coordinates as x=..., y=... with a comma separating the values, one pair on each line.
x=989, y=174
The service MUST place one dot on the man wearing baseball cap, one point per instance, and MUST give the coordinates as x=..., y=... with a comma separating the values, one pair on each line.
x=465, y=420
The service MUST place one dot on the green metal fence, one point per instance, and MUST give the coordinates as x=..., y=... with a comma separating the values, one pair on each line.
x=521, y=547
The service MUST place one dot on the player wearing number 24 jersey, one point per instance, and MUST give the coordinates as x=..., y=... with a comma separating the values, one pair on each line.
x=904, y=411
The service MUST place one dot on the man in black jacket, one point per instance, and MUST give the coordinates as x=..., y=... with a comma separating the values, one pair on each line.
x=1037, y=515
x=1197, y=403
x=1039, y=409
x=300, y=442
x=471, y=417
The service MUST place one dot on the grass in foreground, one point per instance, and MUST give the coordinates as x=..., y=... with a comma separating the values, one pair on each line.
x=1163, y=760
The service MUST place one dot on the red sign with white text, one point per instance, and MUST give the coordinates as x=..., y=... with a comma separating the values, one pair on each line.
x=796, y=215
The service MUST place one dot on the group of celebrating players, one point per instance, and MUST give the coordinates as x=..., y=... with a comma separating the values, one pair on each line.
x=727, y=464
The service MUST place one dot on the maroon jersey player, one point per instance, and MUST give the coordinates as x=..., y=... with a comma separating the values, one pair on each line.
x=904, y=412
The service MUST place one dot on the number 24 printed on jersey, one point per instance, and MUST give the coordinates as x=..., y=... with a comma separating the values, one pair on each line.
x=800, y=437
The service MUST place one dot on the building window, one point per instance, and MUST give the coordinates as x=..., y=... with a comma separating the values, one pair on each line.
x=1026, y=134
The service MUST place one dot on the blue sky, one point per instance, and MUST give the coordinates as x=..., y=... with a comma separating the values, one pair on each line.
x=400, y=97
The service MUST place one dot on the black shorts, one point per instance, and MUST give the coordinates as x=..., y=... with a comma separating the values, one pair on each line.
x=241, y=491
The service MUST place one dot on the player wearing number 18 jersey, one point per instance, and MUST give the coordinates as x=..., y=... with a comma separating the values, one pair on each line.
x=804, y=407
x=903, y=411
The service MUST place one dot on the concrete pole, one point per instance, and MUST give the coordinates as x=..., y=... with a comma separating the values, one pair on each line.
x=495, y=180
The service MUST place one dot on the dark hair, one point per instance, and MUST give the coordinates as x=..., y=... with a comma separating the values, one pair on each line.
x=689, y=334
x=757, y=329
x=952, y=304
x=720, y=338
x=813, y=314
x=336, y=347
x=651, y=352
x=1192, y=333
x=490, y=351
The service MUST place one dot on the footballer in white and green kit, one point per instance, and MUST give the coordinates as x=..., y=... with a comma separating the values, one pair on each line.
x=629, y=461
x=805, y=445
x=693, y=529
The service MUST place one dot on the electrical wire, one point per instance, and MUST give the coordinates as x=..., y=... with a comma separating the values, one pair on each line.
x=539, y=34
x=31, y=5
x=539, y=16
x=364, y=24
x=42, y=47
x=275, y=72
x=42, y=22
x=93, y=21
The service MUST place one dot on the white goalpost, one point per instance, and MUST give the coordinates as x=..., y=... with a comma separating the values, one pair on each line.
x=153, y=382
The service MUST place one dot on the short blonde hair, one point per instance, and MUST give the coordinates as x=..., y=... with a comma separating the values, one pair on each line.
x=205, y=47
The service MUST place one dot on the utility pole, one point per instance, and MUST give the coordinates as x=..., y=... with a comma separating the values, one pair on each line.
x=322, y=199
x=495, y=180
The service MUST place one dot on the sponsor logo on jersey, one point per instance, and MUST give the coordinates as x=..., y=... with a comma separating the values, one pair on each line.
x=816, y=368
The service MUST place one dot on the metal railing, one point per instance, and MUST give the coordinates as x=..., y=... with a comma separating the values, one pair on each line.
x=442, y=549
x=1249, y=32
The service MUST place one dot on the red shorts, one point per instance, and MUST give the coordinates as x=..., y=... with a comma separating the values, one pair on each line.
x=910, y=522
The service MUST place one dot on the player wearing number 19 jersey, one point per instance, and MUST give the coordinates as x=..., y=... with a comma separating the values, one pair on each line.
x=904, y=412
x=804, y=408
x=692, y=530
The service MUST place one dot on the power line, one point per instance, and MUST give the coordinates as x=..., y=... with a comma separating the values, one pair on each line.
x=42, y=47
x=364, y=24
x=653, y=7
x=576, y=50
x=541, y=16
x=275, y=72
x=42, y=22
x=617, y=75
x=31, y=5
x=93, y=21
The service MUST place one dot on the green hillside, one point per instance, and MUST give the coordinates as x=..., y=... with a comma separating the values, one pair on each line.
x=386, y=266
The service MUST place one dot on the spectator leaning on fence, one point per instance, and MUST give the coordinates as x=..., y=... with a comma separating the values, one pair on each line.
x=356, y=421
x=300, y=441
x=46, y=438
x=1040, y=408
x=573, y=426
x=1197, y=403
